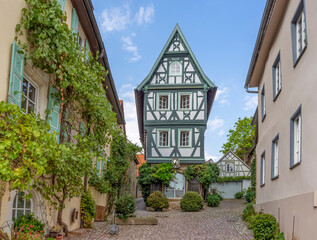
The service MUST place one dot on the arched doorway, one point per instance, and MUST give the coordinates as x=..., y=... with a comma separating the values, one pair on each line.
x=177, y=187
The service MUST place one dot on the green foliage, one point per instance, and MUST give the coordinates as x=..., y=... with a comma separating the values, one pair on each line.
x=239, y=195
x=125, y=206
x=250, y=195
x=99, y=183
x=232, y=179
x=213, y=200
x=26, y=146
x=161, y=173
x=192, y=202
x=28, y=227
x=206, y=173
x=279, y=236
x=88, y=209
x=241, y=138
x=248, y=213
x=264, y=227
x=157, y=200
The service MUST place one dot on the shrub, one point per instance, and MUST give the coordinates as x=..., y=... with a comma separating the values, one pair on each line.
x=264, y=226
x=250, y=195
x=88, y=209
x=157, y=200
x=239, y=195
x=248, y=213
x=29, y=226
x=125, y=206
x=213, y=200
x=192, y=202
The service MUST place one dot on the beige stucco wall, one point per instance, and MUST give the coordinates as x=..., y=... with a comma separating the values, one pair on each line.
x=299, y=87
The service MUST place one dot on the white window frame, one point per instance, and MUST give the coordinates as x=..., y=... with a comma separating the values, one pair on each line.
x=172, y=68
x=263, y=103
x=262, y=175
x=159, y=131
x=296, y=138
x=171, y=187
x=180, y=101
x=230, y=167
x=24, y=209
x=275, y=158
x=180, y=131
x=36, y=95
x=159, y=95
x=277, y=77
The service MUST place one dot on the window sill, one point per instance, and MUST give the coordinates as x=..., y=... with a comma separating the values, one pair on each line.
x=295, y=165
x=300, y=56
x=275, y=177
x=275, y=97
x=262, y=185
x=263, y=117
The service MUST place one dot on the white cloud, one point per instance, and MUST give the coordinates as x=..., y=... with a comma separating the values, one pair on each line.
x=145, y=15
x=116, y=18
x=222, y=96
x=215, y=124
x=214, y=158
x=221, y=132
x=129, y=46
x=250, y=102
x=126, y=93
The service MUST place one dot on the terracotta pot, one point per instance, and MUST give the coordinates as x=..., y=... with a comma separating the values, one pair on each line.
x=59, y=237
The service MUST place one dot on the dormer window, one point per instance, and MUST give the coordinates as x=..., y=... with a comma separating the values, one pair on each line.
x=175, y=69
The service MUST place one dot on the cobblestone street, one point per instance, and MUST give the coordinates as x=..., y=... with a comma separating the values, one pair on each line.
x=222, y=223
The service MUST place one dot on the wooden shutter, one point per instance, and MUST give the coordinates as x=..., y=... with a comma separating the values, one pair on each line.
x=54, y=108
x=62, y=3
x=193, y=185
x=16, y=76
x=82, y=129
x=87, y=49
x=74, y=21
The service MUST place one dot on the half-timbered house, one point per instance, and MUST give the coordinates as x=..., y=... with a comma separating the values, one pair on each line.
x=173, y=105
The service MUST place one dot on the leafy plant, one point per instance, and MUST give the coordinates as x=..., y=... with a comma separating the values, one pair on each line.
x=125, y=206
x=88, y=209
x=239, y=195
x=232, y=179
x=264, y=226
x=28, y=227
x=250, y=195
x=279, y=236
x=157, y=200
x=192, y=202
x=213, y=200
x=248, y=213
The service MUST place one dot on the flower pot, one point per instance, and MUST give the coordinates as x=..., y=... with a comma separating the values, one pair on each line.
x=158, y=210
x=59, y=237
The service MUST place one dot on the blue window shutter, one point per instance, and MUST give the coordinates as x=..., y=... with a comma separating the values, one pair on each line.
x=75, y=21
x=87, y=49
x=16, y=76
x=54, y=107
x=98, y=163
x=62, y=3
x=66, y=125
x=102, y=167
x=82, y=129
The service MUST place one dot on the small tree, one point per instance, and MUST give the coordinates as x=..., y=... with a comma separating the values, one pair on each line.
x=241, y=138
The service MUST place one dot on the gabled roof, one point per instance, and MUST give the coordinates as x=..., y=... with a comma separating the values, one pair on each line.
x=223, y=157
x=190, y=52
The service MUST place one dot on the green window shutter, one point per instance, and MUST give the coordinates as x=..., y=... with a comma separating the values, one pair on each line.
x=82, y=129
x=66, y=125
x=54, y=107
x=102, y=167
x=74, y=21
x=16, y=76
x=62, y=3
x=98, y=168
x=87, y=49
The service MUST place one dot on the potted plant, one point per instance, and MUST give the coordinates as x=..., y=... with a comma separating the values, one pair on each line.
x=55, y=232
x=157, y=201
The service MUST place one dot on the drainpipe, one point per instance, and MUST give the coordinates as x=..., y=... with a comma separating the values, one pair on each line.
x=246, y=87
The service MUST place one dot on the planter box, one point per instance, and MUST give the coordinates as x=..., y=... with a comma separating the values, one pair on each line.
x=137, y=221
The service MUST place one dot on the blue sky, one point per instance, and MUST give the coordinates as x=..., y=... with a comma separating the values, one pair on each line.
x=221, y=34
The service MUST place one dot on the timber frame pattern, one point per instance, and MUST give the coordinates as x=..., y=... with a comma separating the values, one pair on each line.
x=191, y=82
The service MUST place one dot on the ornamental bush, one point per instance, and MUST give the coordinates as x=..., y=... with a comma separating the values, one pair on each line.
x=264, y=227
x=239, y=195
x=192, y=202
x=157, y=200
x=88, y=209
x=213, y=200
x=248, y=213
x=125, y=206
x=29, y=226
x=250, y=195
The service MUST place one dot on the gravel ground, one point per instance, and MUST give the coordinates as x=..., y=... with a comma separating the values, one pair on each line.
x=222, y=223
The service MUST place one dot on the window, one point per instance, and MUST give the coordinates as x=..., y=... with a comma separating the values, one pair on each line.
x=277, y=77
x=185, y=101
x=262, y=169
x=229, y=167
x=29, y=96
x=299, y=32
x=263, y=106
x=274, y=167
x=296, y=138
x=163, y=102
x=163, y=138
x=176, y=188
x=21, y=205
x=184, y=139
x=175, y=69
x=80, y=42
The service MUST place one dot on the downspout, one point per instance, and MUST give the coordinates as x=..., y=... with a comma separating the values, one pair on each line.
x=249, y=91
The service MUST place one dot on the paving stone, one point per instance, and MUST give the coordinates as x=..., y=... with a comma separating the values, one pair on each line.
x=222, y=223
